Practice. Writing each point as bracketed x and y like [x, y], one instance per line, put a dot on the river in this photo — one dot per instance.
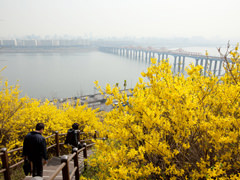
[68, 74]
[61, 75]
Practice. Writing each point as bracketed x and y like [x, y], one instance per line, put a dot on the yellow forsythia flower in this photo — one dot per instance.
[153, 60]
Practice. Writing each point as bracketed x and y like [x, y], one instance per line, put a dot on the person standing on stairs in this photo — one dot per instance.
[73, 137]
[34, 149]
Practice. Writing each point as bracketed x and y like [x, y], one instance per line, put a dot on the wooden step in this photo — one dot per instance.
[54, 163]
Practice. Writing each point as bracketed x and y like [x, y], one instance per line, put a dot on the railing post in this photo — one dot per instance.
[95, 135]
[76, 163]
[85, 150]
[85, 155]
[79, 136]
[65, 170]
[5, 164]
[57, 143]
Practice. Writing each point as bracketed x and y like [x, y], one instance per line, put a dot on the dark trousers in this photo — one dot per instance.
[37, 167]
[79, 146]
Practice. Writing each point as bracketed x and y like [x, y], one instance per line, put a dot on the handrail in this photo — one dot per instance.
[53, 145]
[71, 157]
[50, 136]
[73, 172]
[62, 134]
[85, 140]
[80, 150]
[13, 150]
[57, 171]
[3, 170]
[6, 166]
[14, 165]
[5, 160]
[65, 168]
[89, 145]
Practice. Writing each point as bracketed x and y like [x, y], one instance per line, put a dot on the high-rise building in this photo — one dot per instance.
[19, 43]
[55, 43]
[30, 43]
[44, 43]
[8, 43]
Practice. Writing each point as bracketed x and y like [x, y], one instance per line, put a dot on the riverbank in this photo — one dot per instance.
[48, 50]
[93, 101]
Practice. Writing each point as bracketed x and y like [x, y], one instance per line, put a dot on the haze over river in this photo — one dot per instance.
[69, 74]
[60, 75]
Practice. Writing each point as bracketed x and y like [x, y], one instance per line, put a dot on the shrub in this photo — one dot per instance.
[18, 116]
[173, 127]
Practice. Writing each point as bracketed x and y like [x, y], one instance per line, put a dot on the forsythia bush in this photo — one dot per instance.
[173, 127]
[18, 116]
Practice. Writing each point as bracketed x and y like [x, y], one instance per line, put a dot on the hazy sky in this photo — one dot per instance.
[120, 18]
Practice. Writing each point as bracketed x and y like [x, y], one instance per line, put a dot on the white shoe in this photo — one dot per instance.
[37, 178]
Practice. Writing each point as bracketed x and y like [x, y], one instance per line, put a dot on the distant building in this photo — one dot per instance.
[8, 43]
[66, 43]
[55, 43]
[73, 43]
[85, 42]
[29, 43]
[44, 43]
[19, 43]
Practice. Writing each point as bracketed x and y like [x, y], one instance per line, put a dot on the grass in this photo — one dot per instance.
[91, 172]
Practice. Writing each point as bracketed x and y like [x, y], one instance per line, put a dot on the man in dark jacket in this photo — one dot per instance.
[73, 137]
[34, 149]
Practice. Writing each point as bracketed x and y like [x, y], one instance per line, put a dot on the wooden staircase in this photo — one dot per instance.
[54, 163]
[64, 167]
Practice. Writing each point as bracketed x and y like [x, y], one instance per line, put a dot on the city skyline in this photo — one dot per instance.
[54, 41]
[210, 19]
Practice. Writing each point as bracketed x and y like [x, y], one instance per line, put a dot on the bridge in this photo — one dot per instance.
[176, 57]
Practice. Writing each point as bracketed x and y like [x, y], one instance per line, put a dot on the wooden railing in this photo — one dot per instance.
[64, 167]
[6, 167]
